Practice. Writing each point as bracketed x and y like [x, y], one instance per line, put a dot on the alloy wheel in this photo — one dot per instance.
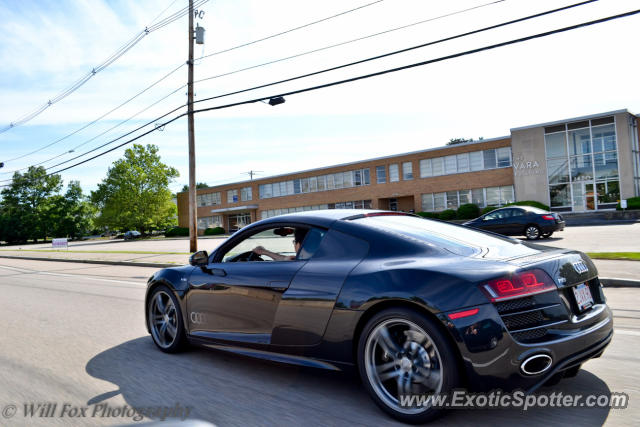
[532, 232]
[402, 359]
[163, 319]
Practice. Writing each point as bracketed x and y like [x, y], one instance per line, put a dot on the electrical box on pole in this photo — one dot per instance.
[199, 35]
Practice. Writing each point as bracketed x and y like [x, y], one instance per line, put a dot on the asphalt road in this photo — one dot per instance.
[75, 334]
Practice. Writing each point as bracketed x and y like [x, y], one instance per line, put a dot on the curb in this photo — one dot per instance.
[614, 282]
[608, 282]
[91, 261]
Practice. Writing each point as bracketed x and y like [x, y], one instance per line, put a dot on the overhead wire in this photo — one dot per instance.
[176, 69]
[361, 77]
[110, 60]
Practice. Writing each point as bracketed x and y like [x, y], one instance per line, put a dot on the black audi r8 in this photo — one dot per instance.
[417, 306]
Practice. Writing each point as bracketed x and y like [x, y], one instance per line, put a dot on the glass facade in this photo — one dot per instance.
[582, 165]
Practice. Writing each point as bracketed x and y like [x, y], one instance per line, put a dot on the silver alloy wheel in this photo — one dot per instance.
[163, 319]
[401, 359]
[532, 232]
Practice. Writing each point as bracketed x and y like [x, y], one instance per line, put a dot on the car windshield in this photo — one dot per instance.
[453, 238]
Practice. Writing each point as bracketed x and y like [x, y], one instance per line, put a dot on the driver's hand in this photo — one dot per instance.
[260, 250]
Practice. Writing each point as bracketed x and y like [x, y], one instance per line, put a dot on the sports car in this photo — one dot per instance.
[416, 306]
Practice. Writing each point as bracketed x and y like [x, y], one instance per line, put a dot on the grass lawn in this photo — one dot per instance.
[633, 256]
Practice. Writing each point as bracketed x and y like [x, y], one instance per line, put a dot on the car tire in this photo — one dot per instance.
[164, 319]
[400, 347]
[532, 232]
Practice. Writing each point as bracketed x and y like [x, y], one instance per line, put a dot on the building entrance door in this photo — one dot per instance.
[584, 196]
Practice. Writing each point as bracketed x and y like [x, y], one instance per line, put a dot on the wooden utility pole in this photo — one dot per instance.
[193, 213]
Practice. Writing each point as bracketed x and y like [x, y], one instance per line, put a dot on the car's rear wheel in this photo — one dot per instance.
[402, 353]
[165, 320]
[532, 232]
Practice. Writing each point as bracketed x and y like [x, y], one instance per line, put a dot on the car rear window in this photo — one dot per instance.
[456, 239]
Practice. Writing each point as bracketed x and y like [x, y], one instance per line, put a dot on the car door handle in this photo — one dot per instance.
[218, 272]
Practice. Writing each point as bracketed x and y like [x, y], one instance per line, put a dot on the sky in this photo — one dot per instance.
[46, 46]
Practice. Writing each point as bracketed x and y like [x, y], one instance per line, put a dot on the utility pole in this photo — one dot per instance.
[193, 213]
[251, 173]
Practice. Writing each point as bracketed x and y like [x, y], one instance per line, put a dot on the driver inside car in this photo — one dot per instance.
[299, 236]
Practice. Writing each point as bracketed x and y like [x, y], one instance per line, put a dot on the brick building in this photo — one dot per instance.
[580, 164]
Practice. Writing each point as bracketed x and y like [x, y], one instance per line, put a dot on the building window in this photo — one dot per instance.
[464, 196]
[313, 184]
[489, 157]
[475, 161]
[452, 200]
[493, 196]
[407, 171]
[393, 173]
[366, 177]
[245, 194]
[503, 157]
[450, 165]
[381, 175]
[357, 178]
[463, 162]
[427, 203]
[209, 222]
[477, 197]
[208, 199]
[232, 196]
[439, 203]
[437, 165]
[425, 168]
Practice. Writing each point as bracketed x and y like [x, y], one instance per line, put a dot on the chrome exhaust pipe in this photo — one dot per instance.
[536, 364]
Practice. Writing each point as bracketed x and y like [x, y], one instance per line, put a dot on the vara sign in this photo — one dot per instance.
[524, 167]
[60, 243]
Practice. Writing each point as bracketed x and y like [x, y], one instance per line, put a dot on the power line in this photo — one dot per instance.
[349, 41]
[173, 71]
[89, 124]
[514, 21]
[291, 30]
[361, 77]
[111, 59]
[359, 62]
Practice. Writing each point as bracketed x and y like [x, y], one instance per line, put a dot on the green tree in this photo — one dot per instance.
[198, 186]
[135, 194]
[26, 204]
[71, 214]
[454, 141]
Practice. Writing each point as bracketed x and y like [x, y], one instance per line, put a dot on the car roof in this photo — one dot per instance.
[321, 218]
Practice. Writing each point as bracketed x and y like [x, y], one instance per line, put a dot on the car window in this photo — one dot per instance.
[455, 239]
[311, 243]
[499, 214]
[517, 212]
[278, 240]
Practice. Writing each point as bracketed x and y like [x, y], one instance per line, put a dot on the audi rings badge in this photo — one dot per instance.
[197, 318]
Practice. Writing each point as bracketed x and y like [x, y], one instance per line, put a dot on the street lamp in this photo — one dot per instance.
[277, 100]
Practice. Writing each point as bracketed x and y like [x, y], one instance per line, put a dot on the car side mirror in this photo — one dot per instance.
[199, 259]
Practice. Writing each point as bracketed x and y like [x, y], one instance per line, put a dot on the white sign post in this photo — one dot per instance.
[60, 243]
[623, 203]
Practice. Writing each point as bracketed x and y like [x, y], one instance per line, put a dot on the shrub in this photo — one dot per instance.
[433, 215]
[632, 203]
[530, 203]
[177, 231]
[468, 211]
[213, 231]
[489, 209]
[447, 215]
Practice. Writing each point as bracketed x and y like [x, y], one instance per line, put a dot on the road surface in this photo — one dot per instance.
[74, 334]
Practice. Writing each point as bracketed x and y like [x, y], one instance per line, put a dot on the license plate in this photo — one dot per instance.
[583, 296]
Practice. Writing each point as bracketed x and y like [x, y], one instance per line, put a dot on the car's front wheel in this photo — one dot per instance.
[402, 354]
[165, 320]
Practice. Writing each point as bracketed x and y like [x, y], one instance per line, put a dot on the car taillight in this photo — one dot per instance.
[548, 217]
[518, 285]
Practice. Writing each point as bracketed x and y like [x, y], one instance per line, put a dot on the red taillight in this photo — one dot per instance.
[518, 285]
[548, 217]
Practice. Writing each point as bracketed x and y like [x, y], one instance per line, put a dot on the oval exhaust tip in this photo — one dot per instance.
[536, 364]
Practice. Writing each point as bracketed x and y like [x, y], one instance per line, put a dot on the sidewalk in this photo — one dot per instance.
[609, 269]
